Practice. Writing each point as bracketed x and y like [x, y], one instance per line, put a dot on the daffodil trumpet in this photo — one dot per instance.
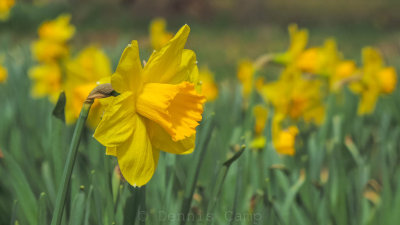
[101, 91]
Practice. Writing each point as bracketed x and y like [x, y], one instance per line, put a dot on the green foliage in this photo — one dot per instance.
[337, 166]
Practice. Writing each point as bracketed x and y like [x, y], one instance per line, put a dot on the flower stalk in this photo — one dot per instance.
[101, 91]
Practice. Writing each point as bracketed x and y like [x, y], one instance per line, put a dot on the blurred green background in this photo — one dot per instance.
[345, 172]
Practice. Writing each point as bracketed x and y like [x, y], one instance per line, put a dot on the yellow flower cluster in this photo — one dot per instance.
[58, 71]
[308, 76]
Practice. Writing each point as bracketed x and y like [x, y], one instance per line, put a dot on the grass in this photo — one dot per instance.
[345, 172]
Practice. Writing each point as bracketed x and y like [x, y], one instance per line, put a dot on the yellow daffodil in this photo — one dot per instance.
[208, 86]
[319, 60]
[5, 7]
[283, 139]
[57, 30]
[158, 108]
[298, 42]
[46, 51]
[261, 115]
[344, 70]
[83, 74]
[3, 74]
[245, 75]
[46, 81]
[53, 36]
[376, 79]
[295, 96]
[158, 33]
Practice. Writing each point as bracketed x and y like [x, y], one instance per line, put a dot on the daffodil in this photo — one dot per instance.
[298, 42]
[344, 70]
[283, 139]
[319, 60]
[208, 86]
[245, 75]
[261, 115]
[3, 74]
[295, 97]
[46, 51]
[158, 33]
[376, 79]
[53, 36]
[83, 73]
[58, 30]
[158, 108]
[46, 81]
[5, 7]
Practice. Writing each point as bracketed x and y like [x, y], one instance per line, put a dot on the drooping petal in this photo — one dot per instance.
[118, 122]
[163, 65]
[127, 76]
[163, 141]
[137, 158]
[176, 108]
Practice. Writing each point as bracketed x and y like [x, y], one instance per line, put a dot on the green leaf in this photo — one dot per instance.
[59, 109]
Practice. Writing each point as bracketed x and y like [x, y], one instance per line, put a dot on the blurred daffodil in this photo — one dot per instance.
[46, 81]
[57, 30]
[47, 51]
[245, 75]
[260, 115]
[159, 36]
[3, 74]
[319, 60]
[343, 71]
[53, 36]
[298, 42]
[158, 108]
[295, 97]
[283, 139]
[376, 79]
[84, 72]
[5, 7]
[208, 86]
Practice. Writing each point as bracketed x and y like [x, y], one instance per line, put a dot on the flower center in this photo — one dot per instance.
[176, 108]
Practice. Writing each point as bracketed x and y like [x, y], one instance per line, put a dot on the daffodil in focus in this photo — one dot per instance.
[298, 42]
[261, 115]
[158, 108]
[46, 81]
[208, 86]
[376, 79]
[89, 68]
[159, 36]
[5, 8]
[245, 75]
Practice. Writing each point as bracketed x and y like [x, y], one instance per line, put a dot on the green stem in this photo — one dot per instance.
[69, 165]
[199, 156]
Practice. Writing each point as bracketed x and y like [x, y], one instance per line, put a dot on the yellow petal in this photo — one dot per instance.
[284, 141]
[367, 102]
[118, 121]
[111, 151]
[127, 76]
[187, 70]
[158, 34]
[3, 74]
[163, 141]
[136, 156]
[245, 75]
[387, 79]
[163, 65]
[46, 81]
[176, 108]
[208, 86]
[58, 29]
